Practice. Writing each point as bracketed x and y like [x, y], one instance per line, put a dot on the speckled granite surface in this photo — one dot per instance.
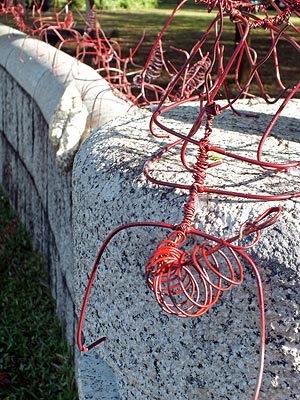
[214, 357]
[99, 379]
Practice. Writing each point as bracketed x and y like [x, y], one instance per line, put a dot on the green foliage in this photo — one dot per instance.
[59, 4]
[110, 4]
[35, 362]
[127, 4]
[80, 4]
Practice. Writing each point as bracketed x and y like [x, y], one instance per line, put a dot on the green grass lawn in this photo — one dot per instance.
[35, 361]
[188, 26]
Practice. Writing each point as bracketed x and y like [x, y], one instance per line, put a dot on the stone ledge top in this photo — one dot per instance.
[72, 97]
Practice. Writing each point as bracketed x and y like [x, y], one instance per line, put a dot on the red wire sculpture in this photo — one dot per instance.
[188, 283]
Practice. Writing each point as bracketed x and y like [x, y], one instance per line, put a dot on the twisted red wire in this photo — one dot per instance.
[177, 277]
[188, 282]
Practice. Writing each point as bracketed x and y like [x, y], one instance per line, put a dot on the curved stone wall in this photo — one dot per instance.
[71, 96]
[42, 93]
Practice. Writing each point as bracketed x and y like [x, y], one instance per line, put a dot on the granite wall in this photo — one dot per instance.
[49, 103]
[70, 208]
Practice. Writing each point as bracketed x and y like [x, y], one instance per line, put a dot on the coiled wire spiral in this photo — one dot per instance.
[187, 285]
[155, 66]
[153, 69]
[91, 19]
[195, 77]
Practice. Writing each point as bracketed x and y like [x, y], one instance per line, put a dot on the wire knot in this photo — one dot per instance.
[212, 109]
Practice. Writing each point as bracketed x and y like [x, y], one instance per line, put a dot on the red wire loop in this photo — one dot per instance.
[188, 284]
